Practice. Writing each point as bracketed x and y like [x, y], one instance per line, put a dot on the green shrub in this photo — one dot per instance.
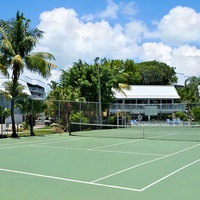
[181, 116]
[25, 126]
[196, 113]
[113, 119]
[78, 117]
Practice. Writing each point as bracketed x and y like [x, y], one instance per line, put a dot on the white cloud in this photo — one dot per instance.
[128, 9]
[111, 10]
[135, 30]
[69, 38]
[180, 26]
[88, 18]
[156, 51]
[187, 59]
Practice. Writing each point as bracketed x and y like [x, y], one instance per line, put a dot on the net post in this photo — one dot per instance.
[143, 132]
[69, 128]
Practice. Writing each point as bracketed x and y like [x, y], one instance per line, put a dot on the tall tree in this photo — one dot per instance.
[86, 77]
[132, 77]
[17, 41]
[156, 73]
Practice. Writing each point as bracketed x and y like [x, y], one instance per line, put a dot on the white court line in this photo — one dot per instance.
[12, 147]
[57, 141]
[67, 179]
[111, 186]
[27, 142]
[52, 147]
[148, 186]
[144, 163]
[107, 151]
[99, 184]
[111, 145]
[127, 152]
[163, 136]
[23, 144]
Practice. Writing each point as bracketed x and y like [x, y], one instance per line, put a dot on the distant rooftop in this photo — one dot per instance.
[149, 92]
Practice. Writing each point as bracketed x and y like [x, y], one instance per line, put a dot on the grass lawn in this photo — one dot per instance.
[39, 131]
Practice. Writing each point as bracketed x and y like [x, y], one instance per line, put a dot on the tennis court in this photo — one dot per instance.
[87, 168]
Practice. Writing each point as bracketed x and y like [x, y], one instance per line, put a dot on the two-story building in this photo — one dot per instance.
[145, 101]
[34, 87]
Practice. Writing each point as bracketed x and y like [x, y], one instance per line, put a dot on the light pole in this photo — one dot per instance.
[186, 112]
[99, 91]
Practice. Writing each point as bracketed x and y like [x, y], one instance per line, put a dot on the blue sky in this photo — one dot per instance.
[167, 31]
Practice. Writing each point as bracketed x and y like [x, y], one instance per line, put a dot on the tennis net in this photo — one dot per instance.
[148, 131]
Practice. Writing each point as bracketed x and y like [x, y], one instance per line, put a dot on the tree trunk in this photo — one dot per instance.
[13, 94]
[67, 122]
[31, 123]
[31, 131]
[14, 133]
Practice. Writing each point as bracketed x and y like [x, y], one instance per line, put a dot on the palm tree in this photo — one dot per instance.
[192, 85]
[31, 107]
[17, 41]
[8, 86]
[53, 85]
[121, 87]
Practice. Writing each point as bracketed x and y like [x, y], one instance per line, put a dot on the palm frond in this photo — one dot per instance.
[8, 86]
[7, 48]
[4, 71]
[121, 87]
[2, 32]
[39, 65]
[26, 45]
[36, 33]
[44, 55]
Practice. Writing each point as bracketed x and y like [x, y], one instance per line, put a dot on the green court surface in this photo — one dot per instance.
[62, 167]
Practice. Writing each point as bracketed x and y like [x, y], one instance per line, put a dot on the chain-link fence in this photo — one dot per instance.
[61, 112]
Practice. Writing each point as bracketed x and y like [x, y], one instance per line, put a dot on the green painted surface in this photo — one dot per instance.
[88, 168]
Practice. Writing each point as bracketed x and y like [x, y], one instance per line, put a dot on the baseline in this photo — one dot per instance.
[99, 184]
[144, 163]
[66, 179]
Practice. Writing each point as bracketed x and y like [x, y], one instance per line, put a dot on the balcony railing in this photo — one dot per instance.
[140, 108]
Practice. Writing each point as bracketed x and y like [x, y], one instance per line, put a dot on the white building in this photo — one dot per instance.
[33, 87]
[140, 98]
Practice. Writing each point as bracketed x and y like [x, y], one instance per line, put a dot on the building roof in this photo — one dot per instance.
[149, 92]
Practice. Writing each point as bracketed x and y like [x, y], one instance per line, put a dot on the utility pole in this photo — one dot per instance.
[99, 91]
